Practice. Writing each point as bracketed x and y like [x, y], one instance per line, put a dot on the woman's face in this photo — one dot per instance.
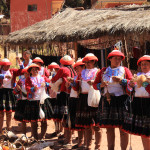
[145, 66]
[34, 71]
[89, 64]
[5, 68]
[79, 69]
[56, 69]
[26, 56]
[115, 61]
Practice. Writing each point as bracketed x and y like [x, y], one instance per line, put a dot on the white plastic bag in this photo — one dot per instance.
[93, 97]
[41, 113]
[55, 86]
[43, 95]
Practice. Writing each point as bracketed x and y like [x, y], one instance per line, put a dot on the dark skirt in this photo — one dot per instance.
[137, 119]
[32, 110]
[85, 115]
[61, 107]
[20, 109]
[72, 107]
[111, 115]
[7, 100]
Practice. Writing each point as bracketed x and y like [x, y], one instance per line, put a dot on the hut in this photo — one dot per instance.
[93, 29]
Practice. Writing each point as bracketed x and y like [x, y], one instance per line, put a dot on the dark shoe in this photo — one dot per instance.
[78, 147]
[53, 134]
[42, 140]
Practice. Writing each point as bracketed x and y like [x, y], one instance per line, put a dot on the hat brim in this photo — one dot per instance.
[66, 62]
[120, 54]
[53, 66]
[88, 58]
[5, 63]
[142, 59]
[37, 61]
[33, 66]
[78, 64]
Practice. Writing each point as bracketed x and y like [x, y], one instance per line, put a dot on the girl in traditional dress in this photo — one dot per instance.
[7, 98]
[65, 71]
[21, 95]
[35, 87]
[86, 115]
[137, 119]
[43, 70]
[54, 67]
[73, 102]
[112, 82]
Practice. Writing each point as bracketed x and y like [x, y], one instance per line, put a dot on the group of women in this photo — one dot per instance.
[120, 101]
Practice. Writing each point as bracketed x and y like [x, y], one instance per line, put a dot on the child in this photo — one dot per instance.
[21, 93]
[35, 86]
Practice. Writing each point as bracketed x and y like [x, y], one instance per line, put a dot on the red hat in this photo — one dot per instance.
[5, 62]
[37, 59]
[53, 65]
[78, 63]
[116, 53]
[145, 57]
[89, 56]
[32, 66]
[66, 60]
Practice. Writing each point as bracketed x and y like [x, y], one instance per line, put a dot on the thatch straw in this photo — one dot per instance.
[74, 25]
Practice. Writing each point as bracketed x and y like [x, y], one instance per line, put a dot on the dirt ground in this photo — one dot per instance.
[136, 140]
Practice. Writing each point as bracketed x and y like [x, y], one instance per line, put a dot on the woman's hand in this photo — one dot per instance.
[90, 82]
[132, 83]
[116, 79]
[35, 88]
[104, 84]
[18, 87]
[43, 84]
[69, 79]
[8, 77]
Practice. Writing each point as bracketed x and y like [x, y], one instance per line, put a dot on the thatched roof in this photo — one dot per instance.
[74, 25]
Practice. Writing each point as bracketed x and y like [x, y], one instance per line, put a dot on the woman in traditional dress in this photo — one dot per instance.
[21, 95]
[54, 67]
[37, 109]
[112, 82]
[85, 114]
[137, 119]
[7, 98]
[65, 71]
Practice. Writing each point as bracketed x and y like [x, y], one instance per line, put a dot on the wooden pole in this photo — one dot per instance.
[76, 50]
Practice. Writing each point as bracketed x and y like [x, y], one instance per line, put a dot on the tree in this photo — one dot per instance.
[77, 3]
[5, 7]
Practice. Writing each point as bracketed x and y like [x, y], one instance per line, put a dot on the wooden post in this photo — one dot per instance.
[17, 52]
[125, 50]
[76, 50]
[5, 51]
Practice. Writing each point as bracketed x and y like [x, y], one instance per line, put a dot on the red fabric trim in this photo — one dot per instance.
[135, 134]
